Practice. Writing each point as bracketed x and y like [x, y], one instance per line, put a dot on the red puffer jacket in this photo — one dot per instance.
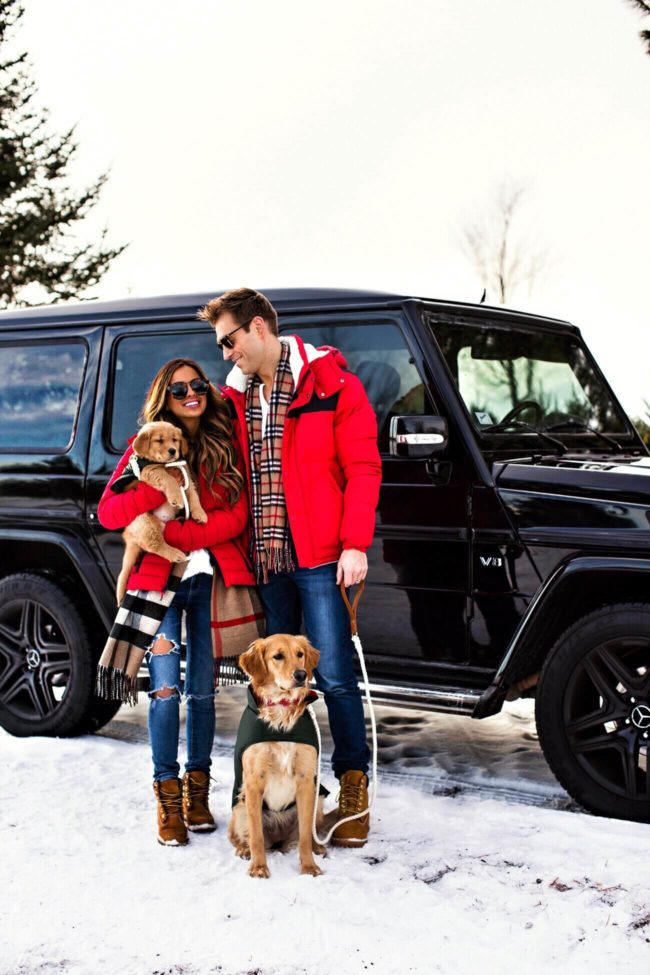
[225, 533]
[331, 468]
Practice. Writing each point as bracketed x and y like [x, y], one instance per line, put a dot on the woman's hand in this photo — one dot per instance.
[222, 525]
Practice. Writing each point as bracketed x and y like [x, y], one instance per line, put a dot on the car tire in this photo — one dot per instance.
[593, 711]
[47, 662]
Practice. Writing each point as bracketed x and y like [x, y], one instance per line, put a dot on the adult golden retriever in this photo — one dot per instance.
[275, 804]
[157, 444]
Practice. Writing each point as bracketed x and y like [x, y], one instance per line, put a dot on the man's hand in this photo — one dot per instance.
[352, 567]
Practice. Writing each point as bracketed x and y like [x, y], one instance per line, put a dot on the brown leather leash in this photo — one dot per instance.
[352, 606]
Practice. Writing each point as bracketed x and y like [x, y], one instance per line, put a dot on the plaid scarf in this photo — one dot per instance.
[236, 620]
[138, 619]
[272, 548]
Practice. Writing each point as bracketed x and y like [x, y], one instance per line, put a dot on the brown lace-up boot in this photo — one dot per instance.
[353, 798]
[196, 811]
[171, 828]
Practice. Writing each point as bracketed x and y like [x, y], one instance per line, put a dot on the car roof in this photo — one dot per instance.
[285, 300]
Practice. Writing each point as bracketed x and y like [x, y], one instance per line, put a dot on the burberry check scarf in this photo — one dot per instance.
[272, 548]
[236, 619]
[138, 619]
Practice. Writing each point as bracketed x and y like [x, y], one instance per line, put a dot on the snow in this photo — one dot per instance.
[459, 883]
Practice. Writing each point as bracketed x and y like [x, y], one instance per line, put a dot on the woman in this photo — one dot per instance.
[181, 394]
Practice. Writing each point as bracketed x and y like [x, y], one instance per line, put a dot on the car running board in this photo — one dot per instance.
[455, 700]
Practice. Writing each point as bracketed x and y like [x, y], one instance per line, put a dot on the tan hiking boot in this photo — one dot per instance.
[196, 811]
[353, 798]
[171, 828]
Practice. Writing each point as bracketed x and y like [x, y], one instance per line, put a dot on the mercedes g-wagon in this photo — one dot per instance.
[512, 551]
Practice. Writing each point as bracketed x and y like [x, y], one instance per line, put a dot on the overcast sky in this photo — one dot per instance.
[347, 143]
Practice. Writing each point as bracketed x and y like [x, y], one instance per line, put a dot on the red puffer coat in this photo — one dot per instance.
[331, 468]
[225, 533]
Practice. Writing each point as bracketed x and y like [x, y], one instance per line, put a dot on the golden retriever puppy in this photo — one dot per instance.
[156, 445]
[276, 755]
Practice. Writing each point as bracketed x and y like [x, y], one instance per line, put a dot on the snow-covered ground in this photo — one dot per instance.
[438, 753]
[458, 883]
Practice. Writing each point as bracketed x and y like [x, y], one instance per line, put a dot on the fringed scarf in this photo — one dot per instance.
[272, 548]
[237, 619]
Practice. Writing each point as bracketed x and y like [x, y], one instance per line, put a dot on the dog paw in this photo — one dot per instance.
[243, 852]
[200, 517]
[319, 849]
[258, 870]
[311, 869]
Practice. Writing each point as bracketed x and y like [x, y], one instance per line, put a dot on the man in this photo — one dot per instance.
[314, 474]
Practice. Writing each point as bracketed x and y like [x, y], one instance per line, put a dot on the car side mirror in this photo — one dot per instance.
[418, 436]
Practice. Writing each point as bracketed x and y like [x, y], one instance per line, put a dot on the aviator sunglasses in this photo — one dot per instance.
[226, 342]
[179, 390]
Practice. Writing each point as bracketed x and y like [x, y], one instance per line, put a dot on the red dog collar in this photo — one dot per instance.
[284, 702]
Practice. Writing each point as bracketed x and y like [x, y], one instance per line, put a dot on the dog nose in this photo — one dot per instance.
[300, 676]
[171, 451]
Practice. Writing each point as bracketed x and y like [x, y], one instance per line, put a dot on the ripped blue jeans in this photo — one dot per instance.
[193, 597]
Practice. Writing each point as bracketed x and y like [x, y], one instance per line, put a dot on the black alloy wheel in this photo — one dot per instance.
[46, 662]
[593, 711]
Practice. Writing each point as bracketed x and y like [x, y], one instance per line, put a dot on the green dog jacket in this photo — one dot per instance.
[252, 731]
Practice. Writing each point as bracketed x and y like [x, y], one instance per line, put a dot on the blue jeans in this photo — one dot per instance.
[193, 596]
[314, 595]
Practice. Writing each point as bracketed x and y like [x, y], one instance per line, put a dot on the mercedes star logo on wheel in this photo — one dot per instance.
[33, 659]
[641, 717]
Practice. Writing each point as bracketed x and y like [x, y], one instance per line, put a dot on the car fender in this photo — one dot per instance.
[75, 554]
[573, 589]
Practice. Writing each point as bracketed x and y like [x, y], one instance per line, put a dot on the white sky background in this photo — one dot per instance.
[345, 144]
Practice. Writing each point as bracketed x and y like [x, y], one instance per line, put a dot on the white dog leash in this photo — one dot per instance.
[352, 610]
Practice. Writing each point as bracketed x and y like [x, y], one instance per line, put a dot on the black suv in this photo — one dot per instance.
[512, 552]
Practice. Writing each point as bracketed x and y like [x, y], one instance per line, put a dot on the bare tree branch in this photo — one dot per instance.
[504, 260]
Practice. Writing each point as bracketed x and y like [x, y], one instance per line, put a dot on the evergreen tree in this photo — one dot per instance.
[644, 7]
[38, 210]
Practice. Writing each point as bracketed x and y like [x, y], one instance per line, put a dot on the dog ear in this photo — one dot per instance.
[141, 442]
[184, 446]
[252, 661]
[312, 655]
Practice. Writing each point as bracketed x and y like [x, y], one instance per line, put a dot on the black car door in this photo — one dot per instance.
[413, 616]
[133, 353]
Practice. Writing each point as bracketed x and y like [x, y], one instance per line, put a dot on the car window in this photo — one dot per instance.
[379, 356]
[40, 385]
[136, 361]
[544, 376]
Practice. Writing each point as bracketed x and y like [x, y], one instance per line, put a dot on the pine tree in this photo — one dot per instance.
[644, 7]
[38, 210]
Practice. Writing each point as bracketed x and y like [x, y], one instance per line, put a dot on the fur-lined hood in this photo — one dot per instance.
[301, 356]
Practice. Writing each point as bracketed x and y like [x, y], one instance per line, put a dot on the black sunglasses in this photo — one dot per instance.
[179, 390]
[226, 342]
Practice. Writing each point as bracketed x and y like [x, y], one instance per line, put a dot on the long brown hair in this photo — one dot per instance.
[212, 451]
